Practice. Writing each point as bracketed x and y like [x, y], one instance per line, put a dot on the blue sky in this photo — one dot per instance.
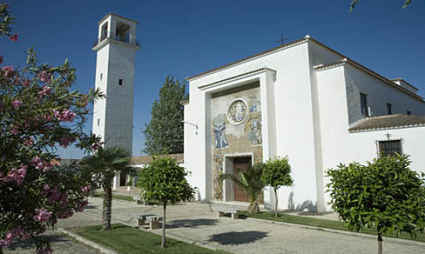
[183, 38]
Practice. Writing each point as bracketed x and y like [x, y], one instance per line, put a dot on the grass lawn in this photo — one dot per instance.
[114, 196]
[331, 224]
[128, 240]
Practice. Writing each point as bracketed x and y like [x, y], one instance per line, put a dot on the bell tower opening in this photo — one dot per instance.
[123, 32]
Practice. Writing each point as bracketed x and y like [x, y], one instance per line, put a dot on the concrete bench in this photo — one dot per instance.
[149, 221]
[223, 210]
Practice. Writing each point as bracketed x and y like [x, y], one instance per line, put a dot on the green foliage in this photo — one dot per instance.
[384, 194]
[277, 173]
[39, 111]
[164, 133]
[164, 180]
[325, 223]
[103, 165]
[106, 162]
[250, 182]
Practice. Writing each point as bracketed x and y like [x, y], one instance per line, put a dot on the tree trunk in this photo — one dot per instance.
[164, 222]
[107, 206]
[1, 250]
[275, 202]
[253, 207]
[380, 243]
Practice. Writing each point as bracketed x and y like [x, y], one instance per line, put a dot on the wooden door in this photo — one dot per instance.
[240, 164]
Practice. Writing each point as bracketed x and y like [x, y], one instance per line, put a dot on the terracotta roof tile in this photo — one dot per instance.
[388, 122]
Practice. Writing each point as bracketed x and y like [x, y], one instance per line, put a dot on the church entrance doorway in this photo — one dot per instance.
[240, 164]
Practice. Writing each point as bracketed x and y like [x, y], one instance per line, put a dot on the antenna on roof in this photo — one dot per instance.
[282, 39]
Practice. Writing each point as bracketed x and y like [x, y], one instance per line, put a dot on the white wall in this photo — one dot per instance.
[378, 95]
[341, 146]
[293, 120]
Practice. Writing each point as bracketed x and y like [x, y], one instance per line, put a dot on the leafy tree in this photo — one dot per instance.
[104, 164]
[385, 194]
[355, 2]
[38, 112]
[277, 173]
[165, 181]
[250, 182]
[164, 133]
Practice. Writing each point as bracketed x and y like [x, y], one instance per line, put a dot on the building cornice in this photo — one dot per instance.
[238, 77]
[106, 41]
[388, 128]
[121, 17]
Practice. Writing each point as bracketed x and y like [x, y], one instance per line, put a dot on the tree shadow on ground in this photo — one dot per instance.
[190, 223]
[30, 243]
[236, 238]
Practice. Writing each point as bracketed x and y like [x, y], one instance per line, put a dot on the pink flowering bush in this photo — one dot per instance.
[39, 111]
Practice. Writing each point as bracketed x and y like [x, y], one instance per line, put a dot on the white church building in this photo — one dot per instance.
[303, 100]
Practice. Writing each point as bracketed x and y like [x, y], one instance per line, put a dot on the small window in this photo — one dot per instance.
[120, 82]
[98, 122]
[101, 76]
[363, 104]
[389, 109]
[408, 112]
[389, 147]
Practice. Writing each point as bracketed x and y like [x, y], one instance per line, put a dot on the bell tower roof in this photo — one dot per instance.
[118, 16]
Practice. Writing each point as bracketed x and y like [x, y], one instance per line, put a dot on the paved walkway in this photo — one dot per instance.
[60, 244]
[198, 223]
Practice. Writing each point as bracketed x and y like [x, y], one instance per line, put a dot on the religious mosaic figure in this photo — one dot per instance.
[219, 131]
[237, 111]
[254, 135]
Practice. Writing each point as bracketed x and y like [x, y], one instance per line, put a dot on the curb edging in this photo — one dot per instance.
[88, 242]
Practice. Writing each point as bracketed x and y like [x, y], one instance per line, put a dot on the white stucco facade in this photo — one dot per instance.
[309, 96]
[116, 47]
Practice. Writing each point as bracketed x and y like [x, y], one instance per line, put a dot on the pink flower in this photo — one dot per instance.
[40, 164]
[16, 104]
[44, 76]
[26, 83]
[66, 115]
[14, 131]
[65, 141]
[85, 189]
[45, 91]
[28, 142]
[14, 37]
[8, 70]
[54, 195]
[42, 215]
[46, 187]
[17, 175]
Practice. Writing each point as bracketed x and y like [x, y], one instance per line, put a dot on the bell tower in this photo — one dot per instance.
[116, 48]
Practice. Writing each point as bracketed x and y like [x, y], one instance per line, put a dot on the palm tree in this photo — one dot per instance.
[250, 182]
[104, 164]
